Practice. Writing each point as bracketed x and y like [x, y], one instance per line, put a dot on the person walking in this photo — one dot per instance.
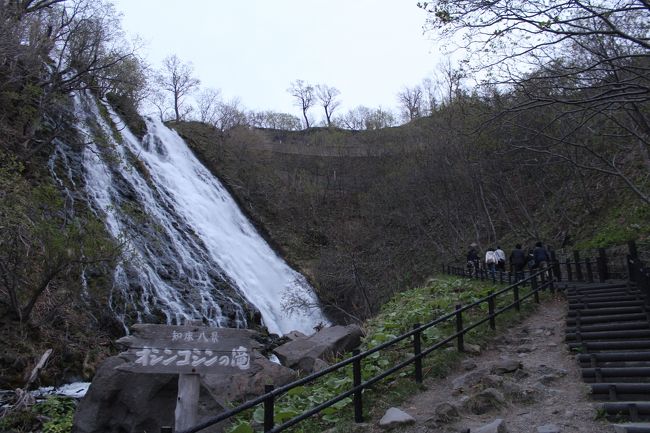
[518, 262]
[472, 260]
[501, 259]
[491, 262]
[540, 255]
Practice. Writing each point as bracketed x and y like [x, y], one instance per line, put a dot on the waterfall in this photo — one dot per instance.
[192, 254]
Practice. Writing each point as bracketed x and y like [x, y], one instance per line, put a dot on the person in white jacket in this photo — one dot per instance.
[501, 259]
[491, 261]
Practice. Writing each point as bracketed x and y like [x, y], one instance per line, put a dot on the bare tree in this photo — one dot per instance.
[410, 101]
[304, 97]
[580, 64]
[208, 102]
[361, 118]
[176, 78]
[327, 97]
[430, 98]
[274, 120]
[450, 81]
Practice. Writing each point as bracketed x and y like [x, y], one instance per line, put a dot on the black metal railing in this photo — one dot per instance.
[569, 267]
[498, 302]
[638, 271]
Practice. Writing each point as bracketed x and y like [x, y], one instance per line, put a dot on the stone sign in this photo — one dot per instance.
[186, 349]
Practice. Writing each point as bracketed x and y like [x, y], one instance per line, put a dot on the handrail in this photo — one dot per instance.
[268, 397]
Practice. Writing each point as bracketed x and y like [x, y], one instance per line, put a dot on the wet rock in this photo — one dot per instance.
[445, 412]
[525, 348]
[549, 428]
[302, 353]
[496, 426]
[492, 381]
[468, 365]
[295, 335]
[472, 349]
[395, 417]
[546, 370]
[463, 384]
[505, 366]
[320, 365]
[238, 387]
[519, 393]
[485, 401]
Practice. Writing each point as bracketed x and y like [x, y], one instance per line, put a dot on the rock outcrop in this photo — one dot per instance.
[302, 353]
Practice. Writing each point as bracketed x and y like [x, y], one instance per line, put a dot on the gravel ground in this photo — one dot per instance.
[546, 389]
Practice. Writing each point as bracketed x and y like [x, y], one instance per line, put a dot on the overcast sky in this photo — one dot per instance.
[254, 49]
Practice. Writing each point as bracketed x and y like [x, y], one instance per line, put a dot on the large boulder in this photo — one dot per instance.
[226, 389]
[120, 402]
[302, 353]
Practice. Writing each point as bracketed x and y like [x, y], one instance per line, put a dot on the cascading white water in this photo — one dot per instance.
[185, 233]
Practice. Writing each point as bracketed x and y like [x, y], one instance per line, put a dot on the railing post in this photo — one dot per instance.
[603, 273]
[482, 275]
[459, 328]
[356, 381]
[632, 262]
[569, 272]
[417, 349]
[510, 277]
[515, 293]
[535, 288]
[576, 258]
[556, 266]
[551, 282]
[634, 253]
[590, 272]
[269, 408]
[493, 323]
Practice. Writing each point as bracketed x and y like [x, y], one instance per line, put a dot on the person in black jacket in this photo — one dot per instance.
[540, 255]
[518, 262]
[472, 260]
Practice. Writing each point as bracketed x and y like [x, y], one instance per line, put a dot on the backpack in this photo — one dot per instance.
[490, 258]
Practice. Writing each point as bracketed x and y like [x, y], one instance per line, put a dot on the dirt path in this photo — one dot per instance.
[532, 381]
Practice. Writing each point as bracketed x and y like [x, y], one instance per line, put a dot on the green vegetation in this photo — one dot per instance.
[420, 305]
[52, 415]
[622, 224]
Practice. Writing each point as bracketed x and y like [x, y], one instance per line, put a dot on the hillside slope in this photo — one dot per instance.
[367, 214]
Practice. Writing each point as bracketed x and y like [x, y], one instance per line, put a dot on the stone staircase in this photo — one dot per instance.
[608, 325]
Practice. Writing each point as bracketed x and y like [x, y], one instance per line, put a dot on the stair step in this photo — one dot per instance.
[607, 318]
[571, 296]
[589, 291]
[632, 427]
[615, 356]
[620, 390]
[617, 372]
[619, 335]
[616, 326]
[615, 364]
[588, 346]
[633, 409]
[606, 304]
[606, 311]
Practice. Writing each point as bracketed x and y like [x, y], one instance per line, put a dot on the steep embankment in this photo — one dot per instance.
[367, 214]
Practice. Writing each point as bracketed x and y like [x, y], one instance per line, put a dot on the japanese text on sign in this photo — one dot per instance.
[150, 356]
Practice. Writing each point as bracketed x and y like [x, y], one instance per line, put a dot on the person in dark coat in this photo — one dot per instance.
[518, 262]
[473, 260]
[540, 255]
